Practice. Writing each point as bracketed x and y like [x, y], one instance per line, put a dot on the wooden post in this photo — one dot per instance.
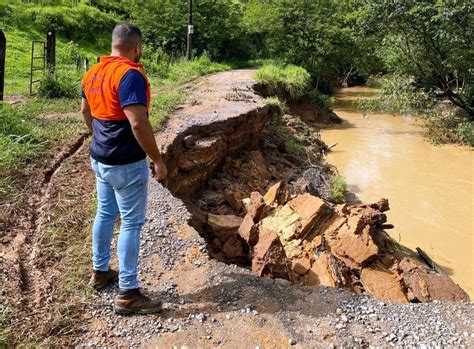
[189, 51]
[86, 64]
[51, 50]
[3, 50]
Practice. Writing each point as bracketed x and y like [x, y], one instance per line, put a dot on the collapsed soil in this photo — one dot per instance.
[256, 169]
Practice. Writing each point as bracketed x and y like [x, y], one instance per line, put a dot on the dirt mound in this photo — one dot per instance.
[303, 239]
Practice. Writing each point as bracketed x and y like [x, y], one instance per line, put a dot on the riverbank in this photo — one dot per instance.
[428, 185]
[207, 302]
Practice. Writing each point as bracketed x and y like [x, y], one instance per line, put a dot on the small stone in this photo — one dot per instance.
[374, 317]
[338, 311]
[292, 341]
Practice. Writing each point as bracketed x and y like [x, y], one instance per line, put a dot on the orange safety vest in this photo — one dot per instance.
[101, 87]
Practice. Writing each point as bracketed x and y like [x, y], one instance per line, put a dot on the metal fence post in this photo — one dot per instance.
[3, 50]
[51, 50]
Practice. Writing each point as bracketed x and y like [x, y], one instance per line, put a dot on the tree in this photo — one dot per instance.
[430, 40]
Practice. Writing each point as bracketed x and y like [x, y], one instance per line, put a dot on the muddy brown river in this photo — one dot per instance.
[430, 188]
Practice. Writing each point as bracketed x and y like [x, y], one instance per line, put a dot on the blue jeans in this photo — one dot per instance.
[120, 189]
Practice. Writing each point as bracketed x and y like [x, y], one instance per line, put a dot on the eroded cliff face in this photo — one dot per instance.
[257, 186]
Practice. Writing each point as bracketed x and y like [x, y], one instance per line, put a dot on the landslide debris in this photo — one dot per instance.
[257, 187]
[304, 239]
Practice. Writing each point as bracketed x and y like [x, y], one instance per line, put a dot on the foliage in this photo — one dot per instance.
[218, 31]
[282, 80]
[284, 109]
[294, 146]
[321, 100]
[58, 85]
[338, 189]
[18, 138]
[429, 40]
[450, 129]
[320, 36]
[398, 94]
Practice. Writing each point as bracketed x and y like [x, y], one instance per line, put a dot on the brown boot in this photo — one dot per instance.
[100, 279]
[134, 302]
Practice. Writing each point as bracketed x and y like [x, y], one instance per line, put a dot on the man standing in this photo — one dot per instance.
[115, 105]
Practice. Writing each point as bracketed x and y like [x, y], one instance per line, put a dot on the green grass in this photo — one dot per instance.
[284, 79]
[6, 312]
[25, 135]
[18, 59]
[279, 103]
[338, 189]
[294, 146]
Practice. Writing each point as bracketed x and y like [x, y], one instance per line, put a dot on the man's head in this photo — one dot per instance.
[127, 41]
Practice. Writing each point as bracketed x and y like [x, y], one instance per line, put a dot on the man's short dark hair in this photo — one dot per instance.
[126, 36]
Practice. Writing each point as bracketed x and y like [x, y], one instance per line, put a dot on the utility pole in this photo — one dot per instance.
[189, 51]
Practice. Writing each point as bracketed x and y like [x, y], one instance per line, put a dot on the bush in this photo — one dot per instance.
[398, 94]
[284, 109]
[322, 101]
[75, 22]
[283, 80]
[57, 85]
[68, 53]
[338, 189]
[450, 129]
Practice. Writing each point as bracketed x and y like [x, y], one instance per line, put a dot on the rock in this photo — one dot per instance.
[234, 248]
[321, 272]
[292, 341]
[256, 206]
[310, 209]
[216, 244]
[302, 265]
[234, 199]
[382, 284]
[283, 222]
[426, 286]
[224, 226]
[277, 194]
[358, 249]
[373, 317]
[269, 257]
[248, 230]
[270, 196]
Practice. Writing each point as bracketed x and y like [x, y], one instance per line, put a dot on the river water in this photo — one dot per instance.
[430, 188]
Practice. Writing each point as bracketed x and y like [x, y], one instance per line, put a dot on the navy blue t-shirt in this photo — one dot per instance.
[113, 142]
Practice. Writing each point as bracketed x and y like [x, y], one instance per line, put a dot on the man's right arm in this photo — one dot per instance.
[143, 132]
